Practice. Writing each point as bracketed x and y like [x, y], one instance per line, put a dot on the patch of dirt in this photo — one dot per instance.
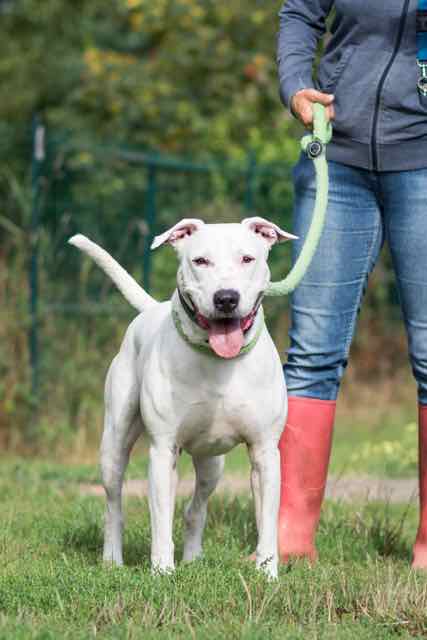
[345, 488]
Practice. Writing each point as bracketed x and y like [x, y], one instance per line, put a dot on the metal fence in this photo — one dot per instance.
[121, 197]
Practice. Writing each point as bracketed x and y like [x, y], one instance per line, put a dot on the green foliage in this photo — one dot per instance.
[53, 585]
[393, 457]
[378, 436]
[174, 74]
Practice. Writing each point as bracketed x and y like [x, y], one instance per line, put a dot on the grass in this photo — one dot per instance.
[383, 444]
[52, 584]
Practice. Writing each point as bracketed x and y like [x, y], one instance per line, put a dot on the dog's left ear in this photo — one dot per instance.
[267, 230]
[181, 230]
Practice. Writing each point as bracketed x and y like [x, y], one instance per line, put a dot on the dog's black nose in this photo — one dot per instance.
[226, 300]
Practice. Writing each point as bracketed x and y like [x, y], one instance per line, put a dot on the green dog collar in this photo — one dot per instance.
[205, 348]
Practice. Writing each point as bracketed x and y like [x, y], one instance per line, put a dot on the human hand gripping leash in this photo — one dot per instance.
[315, 147]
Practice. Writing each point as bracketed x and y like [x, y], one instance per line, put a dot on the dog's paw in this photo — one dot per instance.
[162, 569]
[192, 553]
[268, 566]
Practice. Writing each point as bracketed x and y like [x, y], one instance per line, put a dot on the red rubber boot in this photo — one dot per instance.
[305, 448]
[420, 547]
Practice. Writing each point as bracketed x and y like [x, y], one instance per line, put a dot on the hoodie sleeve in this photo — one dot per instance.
[302, 24]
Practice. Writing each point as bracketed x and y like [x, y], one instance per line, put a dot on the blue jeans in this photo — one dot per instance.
[365, 208]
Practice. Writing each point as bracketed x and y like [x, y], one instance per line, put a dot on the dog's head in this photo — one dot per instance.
[223, 274]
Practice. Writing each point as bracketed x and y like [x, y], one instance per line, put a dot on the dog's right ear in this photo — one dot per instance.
[177, 233]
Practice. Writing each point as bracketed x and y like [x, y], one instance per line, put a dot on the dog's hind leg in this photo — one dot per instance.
[208, 474]
[122, 428]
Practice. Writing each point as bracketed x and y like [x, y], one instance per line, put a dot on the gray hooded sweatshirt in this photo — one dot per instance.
[370, 64]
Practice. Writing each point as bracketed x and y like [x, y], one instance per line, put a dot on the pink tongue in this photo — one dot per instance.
[226, 337]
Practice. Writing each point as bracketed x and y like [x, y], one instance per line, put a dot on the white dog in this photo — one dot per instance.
[201, 373]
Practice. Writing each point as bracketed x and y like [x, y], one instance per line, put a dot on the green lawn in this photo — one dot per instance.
[52, 584]
[385, 444]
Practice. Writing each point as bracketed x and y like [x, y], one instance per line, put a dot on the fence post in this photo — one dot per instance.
[38, 156]
[250, 183]
[150, 219]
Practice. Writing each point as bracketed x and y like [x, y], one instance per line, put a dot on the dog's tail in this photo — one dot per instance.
[131, 290]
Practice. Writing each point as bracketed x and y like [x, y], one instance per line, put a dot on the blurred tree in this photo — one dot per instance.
[177, 75]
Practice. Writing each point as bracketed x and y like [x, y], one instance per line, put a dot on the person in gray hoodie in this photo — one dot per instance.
[367, 78]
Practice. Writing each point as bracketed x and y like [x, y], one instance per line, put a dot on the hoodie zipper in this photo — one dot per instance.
[381, 85]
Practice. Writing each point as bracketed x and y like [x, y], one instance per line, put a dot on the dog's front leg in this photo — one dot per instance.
[161, 499]
[266, 470]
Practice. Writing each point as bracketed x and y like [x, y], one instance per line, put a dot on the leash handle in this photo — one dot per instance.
[315, 146]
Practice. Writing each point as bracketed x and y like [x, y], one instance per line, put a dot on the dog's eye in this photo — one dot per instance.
[201, 262]
[247, 259]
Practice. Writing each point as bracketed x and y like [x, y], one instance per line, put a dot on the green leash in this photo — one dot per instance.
[315, 147]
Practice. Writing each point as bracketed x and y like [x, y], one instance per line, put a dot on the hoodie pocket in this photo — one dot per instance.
[332, 67]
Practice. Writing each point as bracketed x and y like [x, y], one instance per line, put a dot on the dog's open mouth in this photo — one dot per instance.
[226, 335]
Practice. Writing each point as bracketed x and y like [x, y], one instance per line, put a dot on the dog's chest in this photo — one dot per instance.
[210, 419]
[212, 426]
[208, 405]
